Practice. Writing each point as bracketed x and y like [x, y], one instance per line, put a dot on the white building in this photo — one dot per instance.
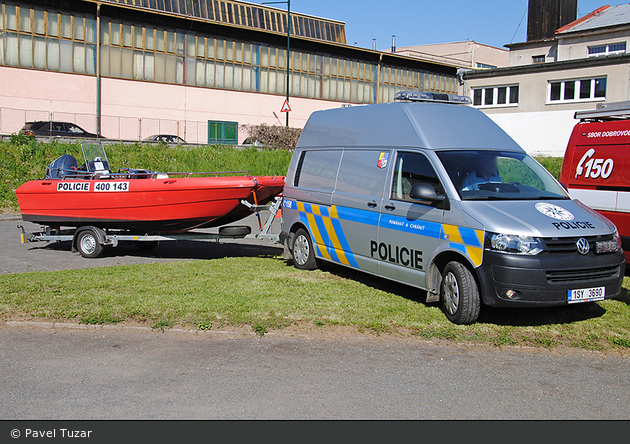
[584, 63]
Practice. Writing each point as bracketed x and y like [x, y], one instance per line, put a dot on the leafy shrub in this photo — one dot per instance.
[274, 136]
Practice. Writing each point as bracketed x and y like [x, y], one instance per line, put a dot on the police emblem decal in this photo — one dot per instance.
[382, 160]
[554, 211]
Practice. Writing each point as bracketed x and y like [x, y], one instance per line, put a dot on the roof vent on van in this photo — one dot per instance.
[413, 96]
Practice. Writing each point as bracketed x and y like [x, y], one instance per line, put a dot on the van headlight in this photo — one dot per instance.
[513, 244]
[609, 246]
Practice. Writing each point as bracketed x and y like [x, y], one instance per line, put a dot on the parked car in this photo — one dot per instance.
[168, 138]
[251, 141]
[57, 129]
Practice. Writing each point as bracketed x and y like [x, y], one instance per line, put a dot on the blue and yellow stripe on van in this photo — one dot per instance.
[466, 240]
[324, 224]
[325, 227]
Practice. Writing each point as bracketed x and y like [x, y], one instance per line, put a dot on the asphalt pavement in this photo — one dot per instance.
[64, 374]
[16, 257]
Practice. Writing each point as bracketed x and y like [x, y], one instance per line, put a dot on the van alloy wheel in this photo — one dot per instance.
[460, 294]
[302, 251]
[451, 294]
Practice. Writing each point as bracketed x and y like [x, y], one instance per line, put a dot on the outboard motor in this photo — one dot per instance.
[65, 165]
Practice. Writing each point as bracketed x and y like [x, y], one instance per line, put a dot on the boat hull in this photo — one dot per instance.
[167, 205]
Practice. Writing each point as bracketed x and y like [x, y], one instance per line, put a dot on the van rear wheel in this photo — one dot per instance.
[302, 251]
[459, 294]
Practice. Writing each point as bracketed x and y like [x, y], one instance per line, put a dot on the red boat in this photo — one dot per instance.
[139, 201]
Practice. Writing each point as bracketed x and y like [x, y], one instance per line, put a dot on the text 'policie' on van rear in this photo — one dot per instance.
[596, 164]
[430, 192]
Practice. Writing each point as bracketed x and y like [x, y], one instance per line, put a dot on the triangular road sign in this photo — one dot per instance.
[285, 107]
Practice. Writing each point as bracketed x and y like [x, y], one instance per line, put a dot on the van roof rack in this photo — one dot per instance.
[606, 111]
[416, 96]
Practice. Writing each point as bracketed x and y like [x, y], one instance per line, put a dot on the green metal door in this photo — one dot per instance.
[222, 133]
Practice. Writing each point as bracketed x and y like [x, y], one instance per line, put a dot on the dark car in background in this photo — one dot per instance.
[56, 129]
[168, 138]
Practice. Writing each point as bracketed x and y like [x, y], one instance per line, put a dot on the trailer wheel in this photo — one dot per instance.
[147, 246]
[88, 244]
[302, 251]
[459, 294]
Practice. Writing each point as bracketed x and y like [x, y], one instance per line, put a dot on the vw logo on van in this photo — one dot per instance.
[583, 246]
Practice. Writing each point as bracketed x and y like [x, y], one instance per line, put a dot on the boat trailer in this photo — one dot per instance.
[90, 240]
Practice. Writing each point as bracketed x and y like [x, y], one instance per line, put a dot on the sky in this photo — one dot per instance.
[490, 22]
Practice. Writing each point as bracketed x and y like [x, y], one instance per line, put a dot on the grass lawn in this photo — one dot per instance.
[267, 293]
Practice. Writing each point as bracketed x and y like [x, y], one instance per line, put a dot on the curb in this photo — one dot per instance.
[7, 217]
[129, 329]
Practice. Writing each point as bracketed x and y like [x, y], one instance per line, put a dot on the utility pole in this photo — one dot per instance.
[288, 58]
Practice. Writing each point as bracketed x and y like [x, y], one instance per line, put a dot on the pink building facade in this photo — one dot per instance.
[172, 67]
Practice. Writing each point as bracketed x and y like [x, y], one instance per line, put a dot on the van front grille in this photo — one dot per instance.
[554, 245]
[588, 274]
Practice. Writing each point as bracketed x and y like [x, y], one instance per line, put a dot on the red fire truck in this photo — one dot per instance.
[596, 166]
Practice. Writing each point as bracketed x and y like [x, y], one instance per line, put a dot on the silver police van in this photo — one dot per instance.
[430, 192]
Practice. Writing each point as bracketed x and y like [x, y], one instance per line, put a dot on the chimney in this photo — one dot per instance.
[373, 44]
[393, 43]
[544, 17]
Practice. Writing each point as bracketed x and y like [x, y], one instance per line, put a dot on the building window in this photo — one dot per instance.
[603, 50]
[577, 90]
[538, 59]
[496, 96]
[485, 66]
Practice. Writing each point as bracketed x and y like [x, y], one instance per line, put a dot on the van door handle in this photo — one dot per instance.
[372, 204]
[390, 207]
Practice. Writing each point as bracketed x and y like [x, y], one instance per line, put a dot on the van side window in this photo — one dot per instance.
[298, 169]
[318, 169]
[412, 168]
[360, 173]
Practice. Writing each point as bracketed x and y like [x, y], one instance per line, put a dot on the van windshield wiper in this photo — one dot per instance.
[514, 198]
[545, 198]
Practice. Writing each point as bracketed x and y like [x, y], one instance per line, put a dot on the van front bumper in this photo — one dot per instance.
[545, 279]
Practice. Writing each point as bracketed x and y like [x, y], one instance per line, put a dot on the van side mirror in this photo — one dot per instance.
[426, 192]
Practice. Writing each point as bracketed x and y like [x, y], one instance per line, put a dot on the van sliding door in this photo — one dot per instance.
[356, 206]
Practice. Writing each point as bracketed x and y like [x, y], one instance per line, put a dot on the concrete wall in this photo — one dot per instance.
[571, 48]
[34, 95]
[520, 56]
[463, 54]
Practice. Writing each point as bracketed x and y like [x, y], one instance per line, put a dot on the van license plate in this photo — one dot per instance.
[587, 295]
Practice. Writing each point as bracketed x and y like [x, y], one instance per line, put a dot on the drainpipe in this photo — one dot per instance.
[98, 69]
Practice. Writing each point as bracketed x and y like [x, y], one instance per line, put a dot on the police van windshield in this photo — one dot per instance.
[499, 175]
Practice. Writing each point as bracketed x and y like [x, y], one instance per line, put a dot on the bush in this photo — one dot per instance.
[274, 136]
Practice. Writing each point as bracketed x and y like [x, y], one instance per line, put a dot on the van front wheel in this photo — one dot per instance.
[302, 251]
[459, 294]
